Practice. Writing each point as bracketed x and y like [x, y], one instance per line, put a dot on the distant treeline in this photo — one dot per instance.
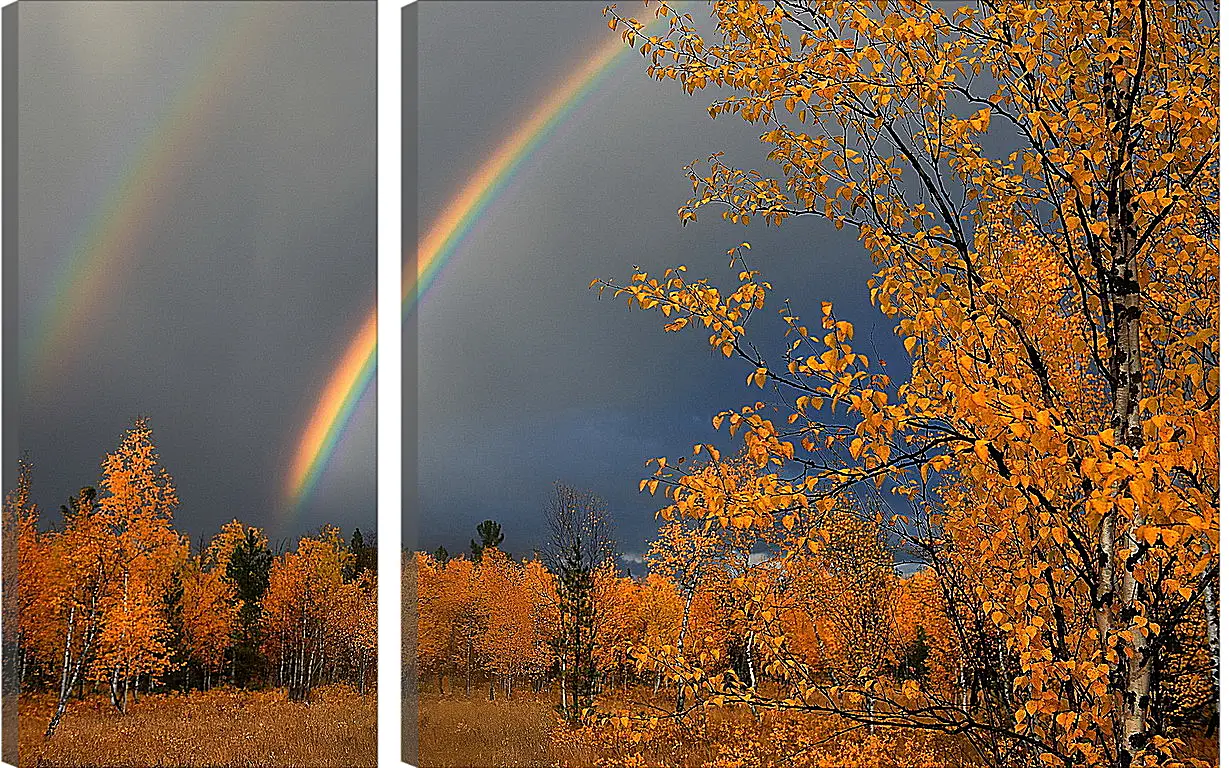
[114, 599]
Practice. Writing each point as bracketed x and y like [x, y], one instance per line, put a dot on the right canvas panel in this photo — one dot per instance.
[817, 383]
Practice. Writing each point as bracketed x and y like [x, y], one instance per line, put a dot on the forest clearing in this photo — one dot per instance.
[220, 728]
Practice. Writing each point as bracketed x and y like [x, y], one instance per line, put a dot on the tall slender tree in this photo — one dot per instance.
[247, 568]
[580, 542]
[135, 509]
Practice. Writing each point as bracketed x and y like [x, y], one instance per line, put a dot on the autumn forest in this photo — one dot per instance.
[1005, 554]
[119, 618]
[966, 519]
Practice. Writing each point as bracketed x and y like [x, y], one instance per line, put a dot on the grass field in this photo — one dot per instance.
[455, 732]
[223, 728]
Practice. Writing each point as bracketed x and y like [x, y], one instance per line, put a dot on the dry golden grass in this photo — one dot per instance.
[223, 728]
[455, 732]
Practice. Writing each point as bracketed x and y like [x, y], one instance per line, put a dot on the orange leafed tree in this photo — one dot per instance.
[632, 613]
[690, 555]
[319, 618]
[1037, 184]
[36, 632]
[113, 596]
[452, 616]
[135, 508]
[919, 614]
[352, 624]
[539, 584]
[210, 614]
[850, 593]
[65, 580]
[222, 546]
[304, 586]
[93, 592]
[434, 640]
[510, 645]
[496, 616]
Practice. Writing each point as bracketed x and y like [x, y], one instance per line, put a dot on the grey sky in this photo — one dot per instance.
[525, 377]
[245, 273]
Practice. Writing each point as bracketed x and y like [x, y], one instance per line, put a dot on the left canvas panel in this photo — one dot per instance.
[189, 405]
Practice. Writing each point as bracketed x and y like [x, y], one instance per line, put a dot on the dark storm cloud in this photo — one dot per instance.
[251, 268]
[525, 377]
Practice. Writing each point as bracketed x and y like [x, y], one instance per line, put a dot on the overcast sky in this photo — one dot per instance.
[247, 131]
[525, 377]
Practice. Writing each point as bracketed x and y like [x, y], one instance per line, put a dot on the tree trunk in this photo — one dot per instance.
[114, 682]
[680, 700]
[1127, 365]
[469, 664]
[1212, 621]
[65, 681]
[750, 661]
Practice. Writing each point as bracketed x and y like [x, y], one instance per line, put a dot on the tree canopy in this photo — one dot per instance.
[1037, 185]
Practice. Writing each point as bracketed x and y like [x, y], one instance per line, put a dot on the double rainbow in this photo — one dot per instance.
[113, 232]
[353, 372]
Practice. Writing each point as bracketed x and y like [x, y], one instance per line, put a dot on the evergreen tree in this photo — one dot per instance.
[579, 636]
[490, 535]
[364, 556]
[248, 569]
[580, 544]
[913, 665]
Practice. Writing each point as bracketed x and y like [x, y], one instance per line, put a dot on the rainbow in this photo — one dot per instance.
[353, 372]
[484, 187]
[111, 236]
[346, 385]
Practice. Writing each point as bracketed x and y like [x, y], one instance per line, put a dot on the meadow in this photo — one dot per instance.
[455, 731]
[459, 732]
[221, 728]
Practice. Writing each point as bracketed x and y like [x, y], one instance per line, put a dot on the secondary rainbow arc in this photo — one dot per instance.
[111, 236]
